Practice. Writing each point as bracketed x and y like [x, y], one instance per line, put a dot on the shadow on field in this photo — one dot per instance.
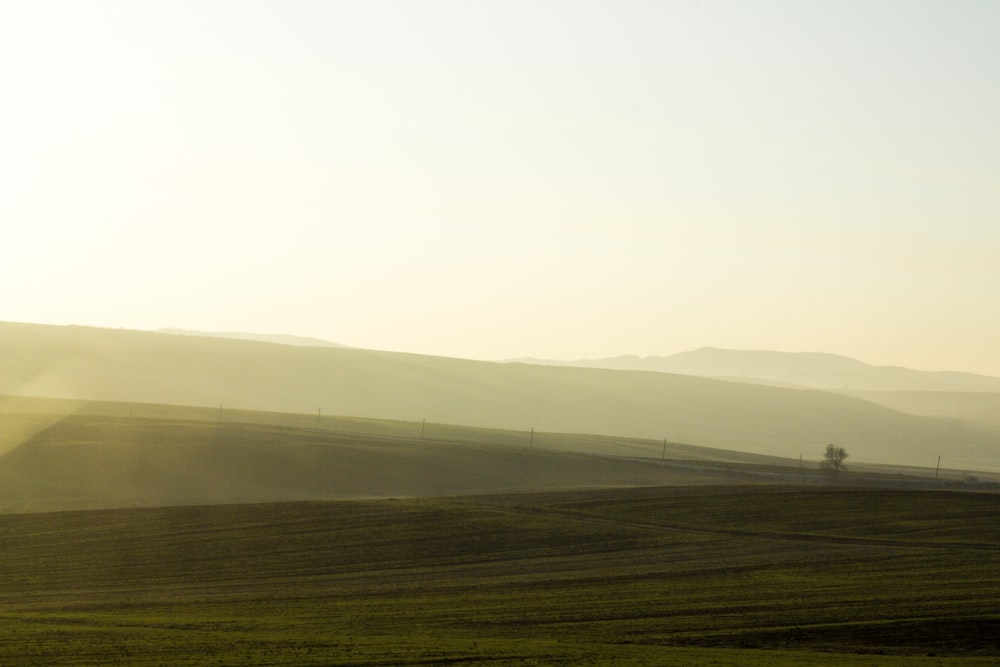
[949, 636]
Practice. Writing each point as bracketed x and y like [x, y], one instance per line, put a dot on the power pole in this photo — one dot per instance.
[423, 423]
[531, 442]
[938, 469]
[664, 454]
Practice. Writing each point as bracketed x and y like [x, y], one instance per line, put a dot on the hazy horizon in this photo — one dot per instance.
[768, 357]
[520, 179]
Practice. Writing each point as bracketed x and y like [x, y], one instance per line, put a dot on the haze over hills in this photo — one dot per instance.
[981, 406]
[105, 456]
[792, 369]
[948, 394]
[122, 365]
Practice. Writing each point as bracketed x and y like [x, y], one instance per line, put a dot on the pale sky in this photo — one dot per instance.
[497, 179]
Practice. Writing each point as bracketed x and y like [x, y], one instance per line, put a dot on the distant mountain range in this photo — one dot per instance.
[789, 369]
[122, 365]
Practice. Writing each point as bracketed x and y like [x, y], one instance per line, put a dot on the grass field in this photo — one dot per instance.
[60, 455]
[119, 417]
[96, 462]
[700, 576]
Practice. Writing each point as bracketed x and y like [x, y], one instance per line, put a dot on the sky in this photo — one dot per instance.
[501, 179]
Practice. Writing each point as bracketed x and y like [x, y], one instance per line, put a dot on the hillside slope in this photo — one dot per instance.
[946, 394]
[810, 370]
[87, 461]
[121, 365]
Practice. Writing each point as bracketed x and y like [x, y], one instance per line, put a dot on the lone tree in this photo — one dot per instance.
[833, 460]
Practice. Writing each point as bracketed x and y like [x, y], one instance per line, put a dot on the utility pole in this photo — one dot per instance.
[938, 469]
[800, 462]
[531, 442]
[423, 424]
[664, 454]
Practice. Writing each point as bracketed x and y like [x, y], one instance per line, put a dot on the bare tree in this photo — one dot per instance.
[833, 460]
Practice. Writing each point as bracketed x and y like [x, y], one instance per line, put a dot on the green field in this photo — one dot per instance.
[710, 575]
[450, 544]
[119, 455]
[95, 461]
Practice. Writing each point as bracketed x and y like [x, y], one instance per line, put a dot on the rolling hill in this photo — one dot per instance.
[121, 365]
[92, 459]
[947, 394]
[810, 370]
[971, 406]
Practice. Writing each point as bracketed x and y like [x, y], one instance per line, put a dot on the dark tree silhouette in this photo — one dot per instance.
[833, 460]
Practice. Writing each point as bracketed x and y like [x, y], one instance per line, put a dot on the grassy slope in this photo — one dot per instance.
[628, 577]
[952, 395]
[798, 369]
[963, 396]
[25, 417]
[101, 364]
[92, 459]
[64, 455]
